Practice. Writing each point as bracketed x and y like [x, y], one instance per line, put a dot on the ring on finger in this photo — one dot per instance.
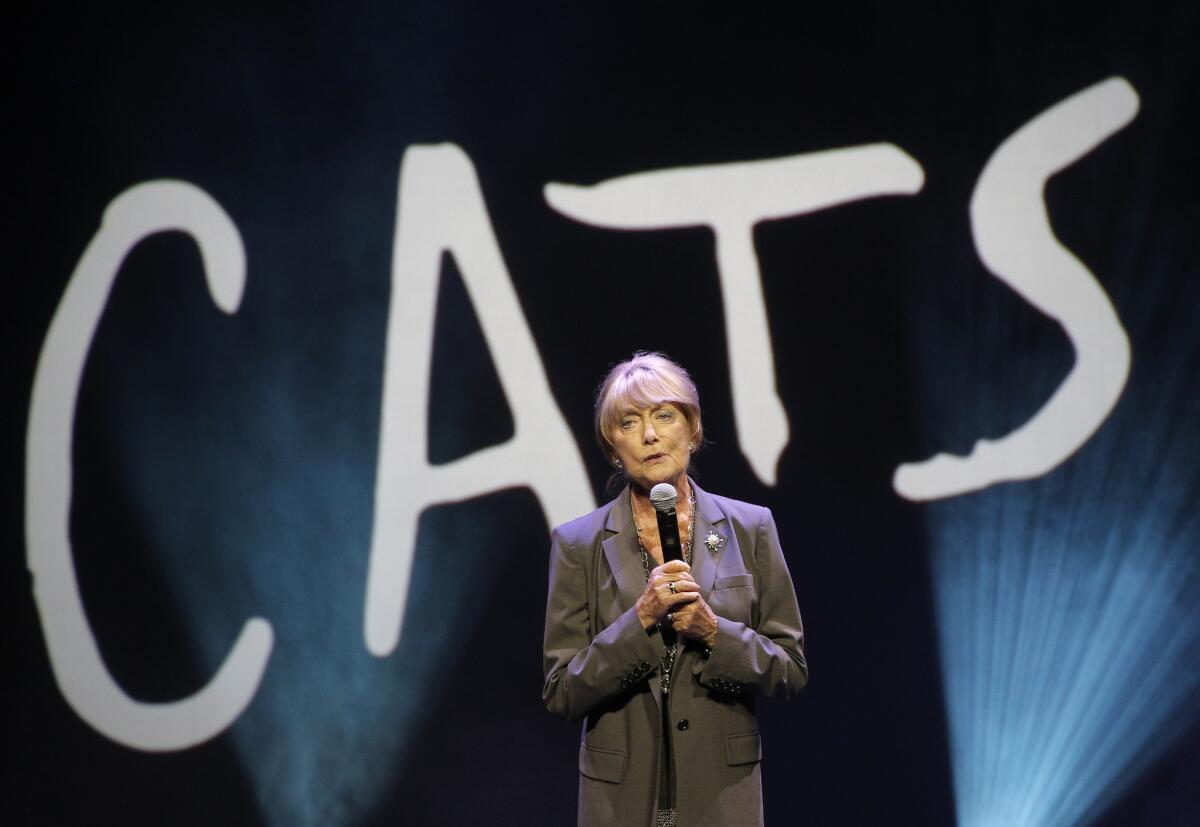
[671, 586]
[670, 617]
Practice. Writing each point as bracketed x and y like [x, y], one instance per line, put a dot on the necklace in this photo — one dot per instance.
[668, 658]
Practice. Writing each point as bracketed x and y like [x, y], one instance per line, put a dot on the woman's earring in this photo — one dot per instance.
[617, 464]
[691, 447]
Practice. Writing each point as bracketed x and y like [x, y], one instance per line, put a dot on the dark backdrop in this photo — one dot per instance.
[224, 465]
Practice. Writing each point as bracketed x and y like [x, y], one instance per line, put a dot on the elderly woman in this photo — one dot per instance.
[665, 660]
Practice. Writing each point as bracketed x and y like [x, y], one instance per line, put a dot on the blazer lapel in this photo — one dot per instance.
[621, 551]
[625, 562]
[709, 520]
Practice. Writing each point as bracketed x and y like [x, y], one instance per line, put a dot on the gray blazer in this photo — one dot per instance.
[602, 666]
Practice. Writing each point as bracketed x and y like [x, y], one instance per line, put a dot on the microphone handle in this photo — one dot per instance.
[668, 534]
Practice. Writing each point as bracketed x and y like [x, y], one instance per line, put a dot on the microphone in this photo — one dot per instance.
[663, 497]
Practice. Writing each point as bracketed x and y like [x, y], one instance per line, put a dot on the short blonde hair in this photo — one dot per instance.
[646, 380]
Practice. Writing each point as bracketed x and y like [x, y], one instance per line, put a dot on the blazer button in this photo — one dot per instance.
[682, 725]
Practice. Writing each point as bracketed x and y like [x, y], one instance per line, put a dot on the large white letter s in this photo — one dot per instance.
[1017, 244]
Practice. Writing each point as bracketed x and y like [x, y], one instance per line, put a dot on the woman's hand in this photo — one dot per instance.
[669, 589]
[697, 621]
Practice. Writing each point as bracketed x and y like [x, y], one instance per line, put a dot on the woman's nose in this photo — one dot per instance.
[648, 434]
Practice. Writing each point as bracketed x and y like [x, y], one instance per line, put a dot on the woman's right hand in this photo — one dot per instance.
[659, 598]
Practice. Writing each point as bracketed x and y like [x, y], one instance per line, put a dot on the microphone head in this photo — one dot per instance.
[663, 497]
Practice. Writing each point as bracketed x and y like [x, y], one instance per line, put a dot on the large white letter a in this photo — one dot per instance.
[441, 210]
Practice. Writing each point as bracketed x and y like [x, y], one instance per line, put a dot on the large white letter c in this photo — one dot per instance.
[140, 211]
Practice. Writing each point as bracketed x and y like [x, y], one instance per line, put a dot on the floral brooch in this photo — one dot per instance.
[713, 541]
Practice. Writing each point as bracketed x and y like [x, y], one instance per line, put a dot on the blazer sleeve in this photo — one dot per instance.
[585, 667]
[769, 658]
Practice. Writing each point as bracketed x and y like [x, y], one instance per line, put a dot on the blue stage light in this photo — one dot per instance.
[1069, 624]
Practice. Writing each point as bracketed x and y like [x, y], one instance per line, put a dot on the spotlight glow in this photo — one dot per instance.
[1070, 633]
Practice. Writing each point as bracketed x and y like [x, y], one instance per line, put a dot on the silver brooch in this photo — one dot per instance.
[713, 541]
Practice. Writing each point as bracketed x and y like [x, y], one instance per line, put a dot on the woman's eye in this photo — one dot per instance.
[665, 416]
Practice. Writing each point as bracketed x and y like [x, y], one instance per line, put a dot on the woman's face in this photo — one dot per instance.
[652, 444]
